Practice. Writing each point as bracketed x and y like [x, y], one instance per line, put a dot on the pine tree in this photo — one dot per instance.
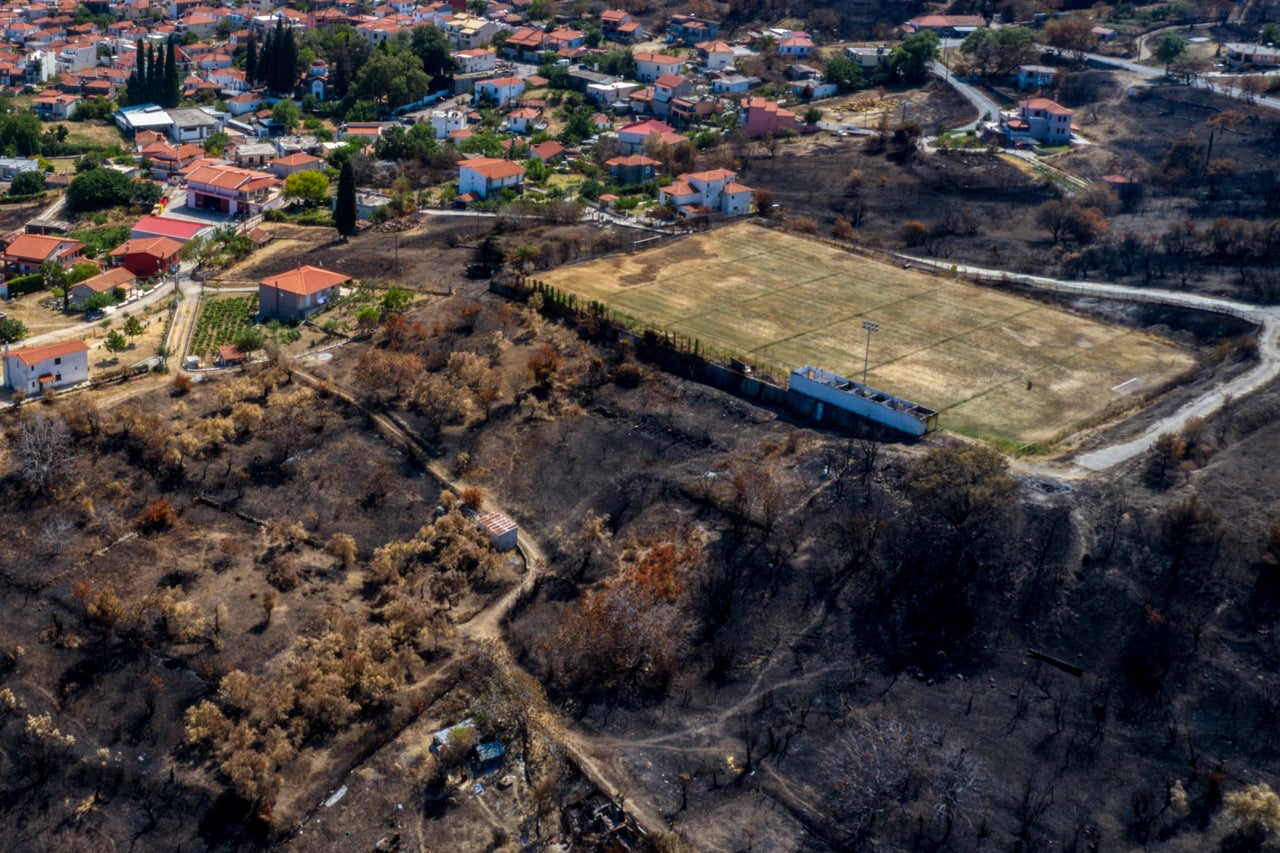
[344, 211]
[172, 84]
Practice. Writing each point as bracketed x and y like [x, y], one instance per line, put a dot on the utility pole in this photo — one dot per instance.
[866, 359]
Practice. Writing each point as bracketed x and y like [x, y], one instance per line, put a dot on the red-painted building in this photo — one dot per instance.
[147, 256]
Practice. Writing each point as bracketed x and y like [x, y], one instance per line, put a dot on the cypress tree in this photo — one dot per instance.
[153, 76]
[172, 85]
[138, 92]
[277, 57]
[251, 60]
[344, 211]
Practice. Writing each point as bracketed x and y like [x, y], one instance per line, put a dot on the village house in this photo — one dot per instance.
[688, 29]
[147, 256]
[501, 90]
[299, 293]
[484, 177]
[523, 120]
[633, 169]
[1035, 76]
[1038, 120]
[34, 370]
[633, 137]
[716, 55]
[55, 107]
[651, 66]
[946, 26]
[763, 118]
[231, 190]
[283, 167]
[700, 193]
[1256, 55]
[617, 25]
[26, 253]
[116, 279]
[795, 46]
[476, 60]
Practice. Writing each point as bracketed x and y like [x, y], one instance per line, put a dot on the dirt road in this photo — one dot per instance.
[1262, 374]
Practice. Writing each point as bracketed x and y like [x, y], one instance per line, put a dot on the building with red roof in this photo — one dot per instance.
[34, 370]
[714, 191]
[26, 253]
[297, 294]
[1038, 120]
[182, 230]
[763, 118]
[487, 176]
[147, 256]
[117, 278]
[232, 191]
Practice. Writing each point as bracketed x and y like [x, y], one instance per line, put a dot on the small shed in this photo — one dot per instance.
[489, 756]
[464, 733]
[502, 531]
[231, 355]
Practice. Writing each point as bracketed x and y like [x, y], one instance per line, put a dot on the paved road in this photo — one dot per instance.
[980, 101]
[1262, 374]
[1154, 73]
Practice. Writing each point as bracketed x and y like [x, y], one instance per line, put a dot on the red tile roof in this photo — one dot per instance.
[34, 355]
[109, 280]
[488, 167]
[178, 229]
[38, 247]
[307, 280]
[156, 247]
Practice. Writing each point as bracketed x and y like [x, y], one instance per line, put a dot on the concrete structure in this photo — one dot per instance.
[476, 60]
[829, 389]
[283, 167]
[297, 294]
[502, 531]
[55, 107]
[868, 57]
[118, 278]
[957, 26]
[486, 176]
[147, 256]
[191, 125]
[1035, 76]
[37, 369]
[11, 166]
[445, 122]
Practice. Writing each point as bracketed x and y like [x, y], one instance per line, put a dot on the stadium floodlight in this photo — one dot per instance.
[866, 359]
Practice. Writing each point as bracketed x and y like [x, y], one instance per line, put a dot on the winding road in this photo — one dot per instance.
[1262, 374]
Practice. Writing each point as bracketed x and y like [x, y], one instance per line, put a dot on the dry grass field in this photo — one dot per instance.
[995, 366]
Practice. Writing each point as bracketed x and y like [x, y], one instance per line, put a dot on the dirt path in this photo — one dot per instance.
[1262, 374]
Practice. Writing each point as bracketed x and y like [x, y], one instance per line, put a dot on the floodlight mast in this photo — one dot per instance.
[866, 359]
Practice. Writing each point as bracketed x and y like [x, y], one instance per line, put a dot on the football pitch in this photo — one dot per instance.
[993, 365]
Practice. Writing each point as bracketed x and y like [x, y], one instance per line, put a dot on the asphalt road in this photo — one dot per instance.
[980, 101]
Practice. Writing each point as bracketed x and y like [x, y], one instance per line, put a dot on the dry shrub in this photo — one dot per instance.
[803, 224]
[156, 516]
[628, 375]
[284, 573]
[472, 498]
[182, 383]
[843, 230]
[343, 547]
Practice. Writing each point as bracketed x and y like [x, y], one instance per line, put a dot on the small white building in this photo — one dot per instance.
[34, 370]
[502, 531]
[716, 191]
[486, 176]
[476, 60]
[445, 122]
[501, 90]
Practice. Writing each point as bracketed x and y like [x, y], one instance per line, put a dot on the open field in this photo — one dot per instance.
[994, 365]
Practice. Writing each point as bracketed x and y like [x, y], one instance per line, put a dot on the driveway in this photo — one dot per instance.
[982, 102]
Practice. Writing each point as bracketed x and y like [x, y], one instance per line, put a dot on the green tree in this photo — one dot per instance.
[99, 188]
[1073, 34]
[55, 278]
[171, 92]
[431, 46]
[250, 339]
[27, 183]
[844, 72]
[286, 113]
[133, 327]
[1271, 35]
[999, 51]
[344, 211]
[216, 143]
[394, 302]
[813, 115]
[12, 331]
[391, 79]
[910, 59]
[115, 342]
[1169, 48]
[309, 188]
